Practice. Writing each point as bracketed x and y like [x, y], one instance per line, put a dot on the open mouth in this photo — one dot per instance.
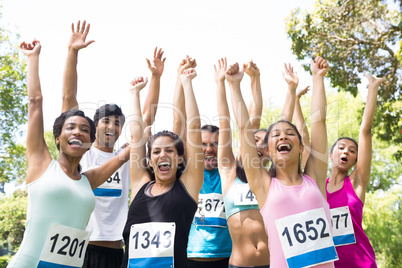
[164, 167]
[76, 143]
[209, 160]
[109, 134]
[284, 147]
[344, 159]
[259, 153]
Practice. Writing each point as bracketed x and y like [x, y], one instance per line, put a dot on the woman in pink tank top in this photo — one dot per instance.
[295, 212]
[346, 193]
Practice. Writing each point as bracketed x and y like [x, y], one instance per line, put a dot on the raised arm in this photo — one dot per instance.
[292, 80]
[179, 111]
[193, 176]
[360, 176]
[138, 173]
[38, 155]
[256, 174]
[256, 104]
[317, 163]
[301, 125]
[226, 160]
[152, 99]
[77, 42]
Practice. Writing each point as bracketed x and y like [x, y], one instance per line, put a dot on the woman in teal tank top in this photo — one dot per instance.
[60, 198]
[246, 226]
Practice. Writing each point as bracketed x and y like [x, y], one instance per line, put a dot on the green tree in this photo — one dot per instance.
[12, 219]
[13, 107]
[382, 221]
[344, 116]
[356, 36]
[51, 145]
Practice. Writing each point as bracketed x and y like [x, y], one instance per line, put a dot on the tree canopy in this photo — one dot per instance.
[355, 37]
[13, 107]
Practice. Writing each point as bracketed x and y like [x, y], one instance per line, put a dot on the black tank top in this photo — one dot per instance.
[176, 205]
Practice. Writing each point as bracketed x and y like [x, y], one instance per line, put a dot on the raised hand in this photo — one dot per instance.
[251, 69]
[375, 80]
[290, 76]
[79, 35]
[32, 48]
[138, 83]
[319, 67]
[234, 74]
[158, 64]
[302, 92]
[188, 74]
[185, 64]
[221, 70]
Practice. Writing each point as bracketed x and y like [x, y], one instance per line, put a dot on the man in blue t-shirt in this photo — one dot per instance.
[209, 243]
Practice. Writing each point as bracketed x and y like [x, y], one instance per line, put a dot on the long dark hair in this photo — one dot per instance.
[178, 144]
[272, 168]
[59, 123]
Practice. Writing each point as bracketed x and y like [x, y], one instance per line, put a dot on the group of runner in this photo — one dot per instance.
[271, 205]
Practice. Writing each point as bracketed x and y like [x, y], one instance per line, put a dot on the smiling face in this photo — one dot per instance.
[164, 158]
[108, 131]
[284, 144]
[344, 154]
[74, 139]
[210, 149]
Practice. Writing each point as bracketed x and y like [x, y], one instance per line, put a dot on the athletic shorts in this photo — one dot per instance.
[209, 264]
[102, 257]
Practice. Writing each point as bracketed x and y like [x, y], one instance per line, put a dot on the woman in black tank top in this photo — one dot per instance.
[163, 193]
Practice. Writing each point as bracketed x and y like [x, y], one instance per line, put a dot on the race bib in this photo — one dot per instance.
[211, 211]
[306, 239]
[342, 227]
[244, 196]
[64, 247]
[152, 245]
[112, 187]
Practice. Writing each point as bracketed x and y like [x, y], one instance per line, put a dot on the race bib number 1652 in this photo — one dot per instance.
[306, 239]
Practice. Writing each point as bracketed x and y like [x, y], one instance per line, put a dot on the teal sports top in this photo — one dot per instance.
[54, 198]
[233, 193]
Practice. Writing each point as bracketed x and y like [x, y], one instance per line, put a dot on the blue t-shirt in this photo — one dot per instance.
[209, 235]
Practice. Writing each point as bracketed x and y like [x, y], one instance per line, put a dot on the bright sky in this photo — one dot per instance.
[126, 32]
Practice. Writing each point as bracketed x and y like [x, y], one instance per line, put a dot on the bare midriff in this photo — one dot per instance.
[249, 239]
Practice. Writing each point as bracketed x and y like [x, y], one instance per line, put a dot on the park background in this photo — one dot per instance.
[270, 33]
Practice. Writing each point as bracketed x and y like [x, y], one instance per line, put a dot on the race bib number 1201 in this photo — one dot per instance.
[64, 247]
[152, 245]
[306, 239]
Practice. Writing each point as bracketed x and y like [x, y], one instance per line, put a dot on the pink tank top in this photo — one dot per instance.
[285, 201]
[361, 253]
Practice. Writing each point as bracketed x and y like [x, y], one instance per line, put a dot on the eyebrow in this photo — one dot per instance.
[74, 124]
[343, 143]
